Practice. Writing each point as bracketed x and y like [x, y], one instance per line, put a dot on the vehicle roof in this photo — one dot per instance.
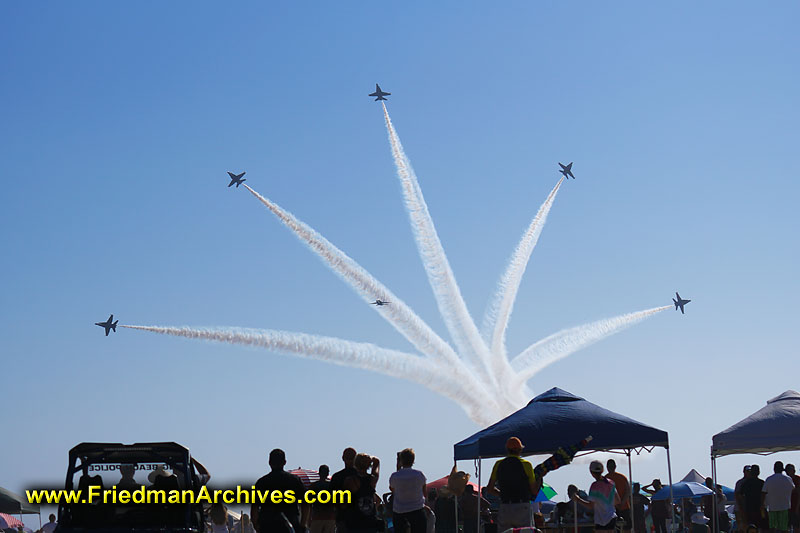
[118, 452]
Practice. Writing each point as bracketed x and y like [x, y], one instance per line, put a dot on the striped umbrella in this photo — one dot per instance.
[306, 476]
[8, 521]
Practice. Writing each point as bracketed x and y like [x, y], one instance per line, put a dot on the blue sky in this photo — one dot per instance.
[120, 120]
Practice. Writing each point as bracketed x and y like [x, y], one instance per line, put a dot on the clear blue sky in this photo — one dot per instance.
[120, 119]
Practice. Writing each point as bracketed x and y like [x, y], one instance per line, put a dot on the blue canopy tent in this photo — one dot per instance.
[773, 428]
[558, 418]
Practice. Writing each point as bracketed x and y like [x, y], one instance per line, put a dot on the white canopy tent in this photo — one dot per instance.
[773, 428]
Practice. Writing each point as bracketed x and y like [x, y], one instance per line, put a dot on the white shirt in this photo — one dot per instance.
[406, 485]
[778, 488]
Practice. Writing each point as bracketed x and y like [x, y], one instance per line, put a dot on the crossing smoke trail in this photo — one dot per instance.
[499, 313]
[445, 381]
[440, 276]
[559, 345]
[411, 326]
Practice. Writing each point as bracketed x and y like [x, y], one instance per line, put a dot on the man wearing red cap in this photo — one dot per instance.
[514, 481]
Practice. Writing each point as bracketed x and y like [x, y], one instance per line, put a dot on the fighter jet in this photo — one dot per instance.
[236, 178]
[378, 93]
[566, 170]
[380, 303]
[109, 324]
[680, 302]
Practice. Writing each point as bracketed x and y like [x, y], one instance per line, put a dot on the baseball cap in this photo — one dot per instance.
[513, 443]
[596, 466]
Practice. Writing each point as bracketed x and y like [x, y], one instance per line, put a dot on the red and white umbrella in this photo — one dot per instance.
[8, 521]
[306, 476]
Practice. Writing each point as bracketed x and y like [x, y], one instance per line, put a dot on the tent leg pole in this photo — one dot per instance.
[715, 518]
[479, 495]
[630, 490]
[575, 514]
[671, 506]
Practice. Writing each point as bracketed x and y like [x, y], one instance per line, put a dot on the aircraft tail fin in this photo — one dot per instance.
[114, 326]
[676, 303]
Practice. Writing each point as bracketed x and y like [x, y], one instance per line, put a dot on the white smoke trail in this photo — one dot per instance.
[397, 313]
[567, 341]
[440, 276]
[445, 381]
[499, 313]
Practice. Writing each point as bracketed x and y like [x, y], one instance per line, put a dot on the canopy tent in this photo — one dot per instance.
[558, 418]
[773, 428]
[681, 490]
[694, 476]
[12, 503]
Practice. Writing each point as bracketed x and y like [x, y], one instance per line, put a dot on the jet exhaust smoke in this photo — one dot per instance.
[567, 341]
[354, 354]
[440, 276]
[499, 312]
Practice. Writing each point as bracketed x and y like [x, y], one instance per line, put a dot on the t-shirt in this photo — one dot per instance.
[321, 511]
[49, 527]
[406, 485]
[514, 476]
[337, 483]
[601, 493]
[621, 483]
[268, 512]
[778, 488]
[796, 480]
[751, 491]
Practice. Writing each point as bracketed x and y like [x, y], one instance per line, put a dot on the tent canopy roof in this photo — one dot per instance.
[559, 418]
[12, 503]
[773, 428]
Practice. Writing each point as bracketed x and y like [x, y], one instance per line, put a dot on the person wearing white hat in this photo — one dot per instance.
[603, 498]
[699, 523]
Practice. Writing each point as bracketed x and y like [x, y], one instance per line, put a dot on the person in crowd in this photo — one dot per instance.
[603, 499]
[360, 516]
[640, 502]
[567, 513]
[269, 517]
[244, 525]
[323, 515]
[469, 510]
[50, 526]
[707, 501]
[517, 485]
[751, 494]
[218, 515]
[659, 511]
[408, 490]
[337, 483]
[699, 523]
[739, 515]
[623, 509]
[794, 511]
[776, 498]
[127, 481]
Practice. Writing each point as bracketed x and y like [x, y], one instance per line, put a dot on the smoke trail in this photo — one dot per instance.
[440, 276]
[445, 381]
[559, 345]
[498, 314]
[397, 313]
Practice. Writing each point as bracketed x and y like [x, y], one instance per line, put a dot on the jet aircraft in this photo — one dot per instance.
[109, 324]
[378, 93]
[380, 303]
[566, 170]
[680, 302]
[236, 178]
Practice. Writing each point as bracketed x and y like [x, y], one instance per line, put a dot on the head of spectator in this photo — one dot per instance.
[657, 484]
[636, 488]
[746, 470]
[160, 471]
[127, 471]
[596, 469]
[611, 464]
[52, 517]
[432, 494]
[324, 470]
[406, 458]
[709, 482]
[469, 489]
[362, 462]
[572, 490]
[778, 467]
[755, 470]
[348, 456]
[277, 459]
[789, 469]
[514, 446]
